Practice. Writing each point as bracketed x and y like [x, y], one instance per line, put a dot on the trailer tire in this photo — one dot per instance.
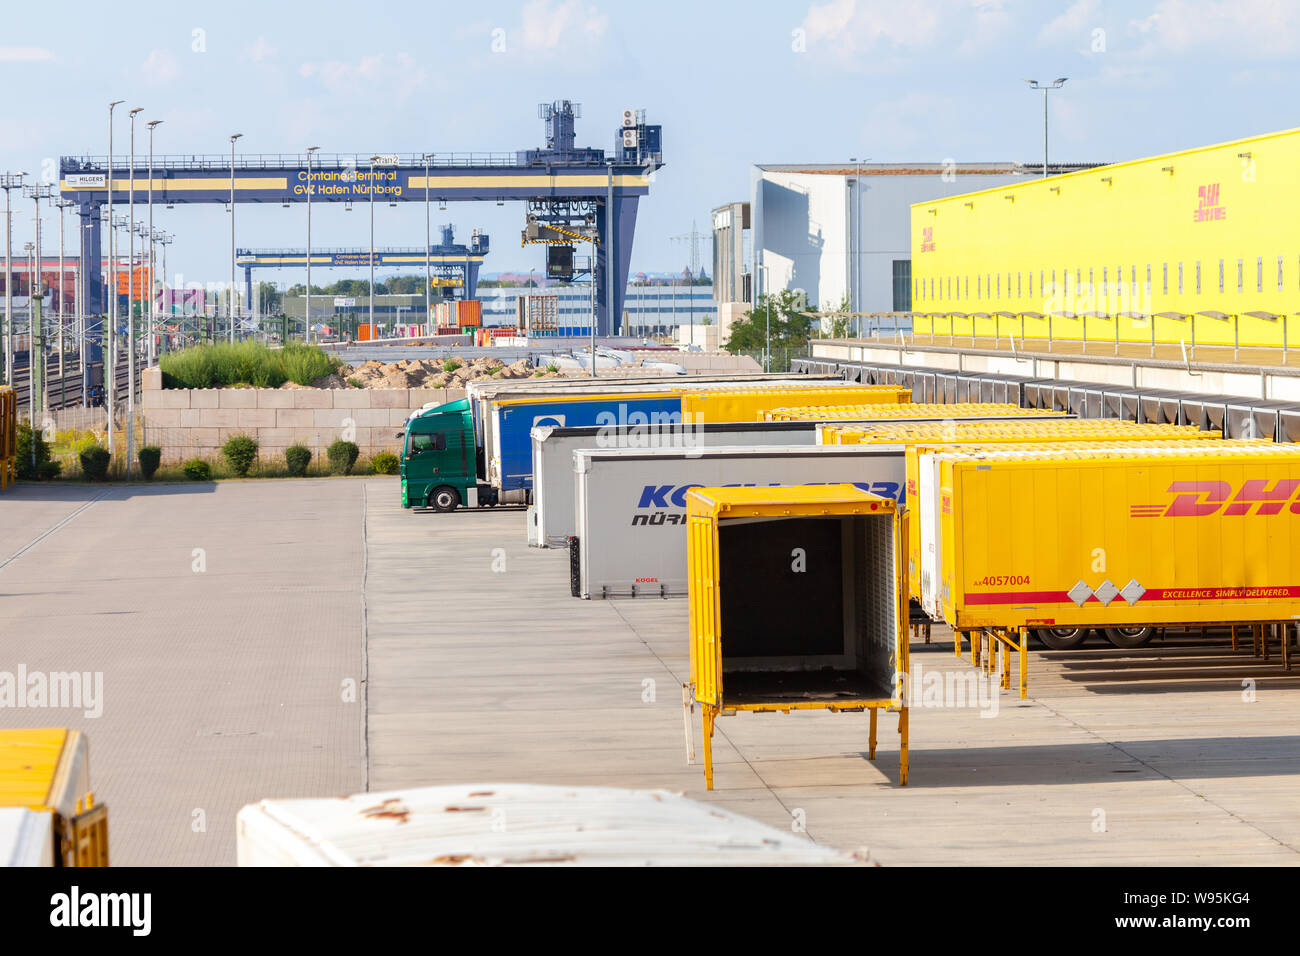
[1061, 638]
[444, 498]
[1128, 637]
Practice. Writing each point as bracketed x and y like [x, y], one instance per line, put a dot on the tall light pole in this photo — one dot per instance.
[153, 312]
[233, 137]
[35, 300]
[428, 247]
[130, 301]
[1054, 85]
[164, 240]
[63, 204]
[307, 312]
[370, 187]
[9, 181]
[110, 358]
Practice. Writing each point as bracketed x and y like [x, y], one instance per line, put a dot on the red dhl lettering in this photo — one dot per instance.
[1200, 499]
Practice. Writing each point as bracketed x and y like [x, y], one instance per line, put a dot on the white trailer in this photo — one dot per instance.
[552, 519]
[516, 824]
[631, 504]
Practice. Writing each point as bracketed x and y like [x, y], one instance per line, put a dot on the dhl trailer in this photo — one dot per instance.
[1123, 541]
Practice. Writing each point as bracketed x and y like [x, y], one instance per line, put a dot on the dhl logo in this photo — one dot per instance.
[1197, 499]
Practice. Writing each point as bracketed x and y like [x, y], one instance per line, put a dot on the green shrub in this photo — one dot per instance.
[150, 456]
[196, 469]
[552, 367]
[226, 365]
[240, 452]
[297, 458]
[41, 468]
[94, 462]
[342, 456]
[451, 365]
[385, 463]
[355, 382]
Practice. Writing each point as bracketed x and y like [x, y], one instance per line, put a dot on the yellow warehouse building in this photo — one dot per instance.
[1200, 247]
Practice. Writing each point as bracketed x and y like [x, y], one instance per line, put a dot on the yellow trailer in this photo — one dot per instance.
[1012, 431]
[796, 600]
[748, 405]
[1120, 540]
[48, 814]
[8, 437]
[880, 412]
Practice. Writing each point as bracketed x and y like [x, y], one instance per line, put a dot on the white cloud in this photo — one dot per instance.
[400, 75]
[160, 67]
[1075, 22]
[25, 54]
[869, 34]
[260, 50]
[1251, 27]
[546, 24]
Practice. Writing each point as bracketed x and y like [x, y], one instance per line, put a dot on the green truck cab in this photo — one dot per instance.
[440, 464]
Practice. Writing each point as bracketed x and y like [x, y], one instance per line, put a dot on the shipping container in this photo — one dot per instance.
[1012, 431]
[796, 602]
[630, 505]
[46, 772]
[515, 824]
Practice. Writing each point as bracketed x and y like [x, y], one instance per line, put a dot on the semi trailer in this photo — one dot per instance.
[478, 451]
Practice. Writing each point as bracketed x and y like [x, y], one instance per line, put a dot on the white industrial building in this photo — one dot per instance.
[841, 231]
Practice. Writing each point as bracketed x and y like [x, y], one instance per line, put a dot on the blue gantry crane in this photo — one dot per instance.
[451, 264]
[572, 189]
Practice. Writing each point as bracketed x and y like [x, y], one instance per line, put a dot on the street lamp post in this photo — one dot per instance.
[164, 240]
[152, 355]
[1054, 85]
[110, 359]
[130, 301]
[307, 312]
[35, 301]
[63, 204]
[7, 182]
[370, 188]
[428, 245]
[233, 137]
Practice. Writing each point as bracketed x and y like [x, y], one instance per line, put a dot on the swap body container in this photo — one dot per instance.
[751, 404]
[50, 817]
[1181, 538]
[857, 413]
[796, 602]
[631, 505]
[924, 524]
[515, 824]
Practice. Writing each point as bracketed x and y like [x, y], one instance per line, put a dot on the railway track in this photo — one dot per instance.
[65, 391]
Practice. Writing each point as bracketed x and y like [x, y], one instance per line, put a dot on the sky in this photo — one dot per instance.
[732, 83]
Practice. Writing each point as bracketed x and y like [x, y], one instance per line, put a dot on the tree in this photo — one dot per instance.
[269, 297]
[841, 326]
[776, 312]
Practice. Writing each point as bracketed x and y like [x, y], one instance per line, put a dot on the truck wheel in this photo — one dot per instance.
[1127, 637]
[1061, 638]
[444, 498]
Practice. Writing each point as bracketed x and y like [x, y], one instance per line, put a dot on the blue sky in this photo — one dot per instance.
[732, 83]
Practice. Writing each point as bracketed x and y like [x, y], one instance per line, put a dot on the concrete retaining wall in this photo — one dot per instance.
[195, 422]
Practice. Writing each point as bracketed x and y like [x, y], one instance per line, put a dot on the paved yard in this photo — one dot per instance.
[232, 682]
